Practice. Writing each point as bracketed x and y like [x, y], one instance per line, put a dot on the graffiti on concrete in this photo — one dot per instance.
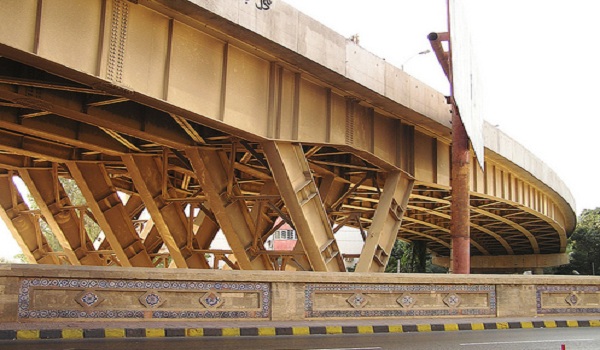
[262, 4]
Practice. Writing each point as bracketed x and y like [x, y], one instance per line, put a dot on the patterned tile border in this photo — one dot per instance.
[567, 309]
[311, 289]
[95, 333]
[28, 286]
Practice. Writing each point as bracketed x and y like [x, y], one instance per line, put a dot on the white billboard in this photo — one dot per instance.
[468, 91]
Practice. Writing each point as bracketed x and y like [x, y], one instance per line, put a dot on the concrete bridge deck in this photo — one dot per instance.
[215, 116]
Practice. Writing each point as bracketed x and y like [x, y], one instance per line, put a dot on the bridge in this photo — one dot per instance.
[215, 116]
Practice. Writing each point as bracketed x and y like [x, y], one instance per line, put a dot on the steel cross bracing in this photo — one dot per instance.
[173, 131]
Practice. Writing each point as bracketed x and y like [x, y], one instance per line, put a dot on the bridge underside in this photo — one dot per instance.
[205, 133]
[191, 181]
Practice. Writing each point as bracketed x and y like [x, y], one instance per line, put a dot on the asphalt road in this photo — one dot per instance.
[522, 339]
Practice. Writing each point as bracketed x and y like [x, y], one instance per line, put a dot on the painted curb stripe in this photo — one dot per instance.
[155, 333]
[477, 326]
[468, 326]
[267, 331]
[423, 328]
[8, 335]
[410, 328]
[175, 332]
[28, 334]
[72, 333]
[450, 327]
[284, 331]
[334, 329]
[194, 332]
[230, 332]
[94, 333]
[527, 325]
[365, 329]
[79, 333]
[248, 332]
[301, 330]
[114, 333]
[381, 329]
[135, 332]
[396, 329]
[350, 329]
[50, 334]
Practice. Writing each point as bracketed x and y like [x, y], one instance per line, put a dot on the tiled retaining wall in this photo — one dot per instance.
[45, 293]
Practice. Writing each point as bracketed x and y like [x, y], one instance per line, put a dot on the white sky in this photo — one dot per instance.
[538, 61]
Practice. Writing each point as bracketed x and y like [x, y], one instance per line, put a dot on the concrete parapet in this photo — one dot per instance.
[31, 293]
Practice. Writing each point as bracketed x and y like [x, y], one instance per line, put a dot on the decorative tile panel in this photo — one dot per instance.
[45, 298]
[568, 299]
[406, 300]
[89, 298]
[151, 299]
[211, 300]
[349, 300]
[572, 299]
[357, 301]
[452, 300]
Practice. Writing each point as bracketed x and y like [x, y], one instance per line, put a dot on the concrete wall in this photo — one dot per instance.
[45, 293]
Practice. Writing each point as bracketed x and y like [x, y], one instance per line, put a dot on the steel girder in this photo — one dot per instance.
[388, 216]
[299, 191]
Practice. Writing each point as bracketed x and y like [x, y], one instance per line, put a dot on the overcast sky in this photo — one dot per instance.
[538, 61]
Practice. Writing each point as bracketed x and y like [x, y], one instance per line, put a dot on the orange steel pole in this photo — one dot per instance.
[460, 262]
[460, 206]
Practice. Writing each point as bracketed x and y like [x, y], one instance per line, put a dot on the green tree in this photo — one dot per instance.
[585, 240]
[395, 256]
[413, 258]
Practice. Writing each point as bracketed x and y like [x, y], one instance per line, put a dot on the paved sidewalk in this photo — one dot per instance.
[164, 328]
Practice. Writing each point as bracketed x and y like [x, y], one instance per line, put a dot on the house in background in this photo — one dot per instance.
[348, 239]
[283, 239]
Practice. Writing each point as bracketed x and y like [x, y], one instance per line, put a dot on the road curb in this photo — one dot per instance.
[170, 332]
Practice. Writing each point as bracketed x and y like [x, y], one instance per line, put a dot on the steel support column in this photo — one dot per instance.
[212, 169]
[460, 206]
[103, 200]
[169, 218]
[299, 191]
[387, 219]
